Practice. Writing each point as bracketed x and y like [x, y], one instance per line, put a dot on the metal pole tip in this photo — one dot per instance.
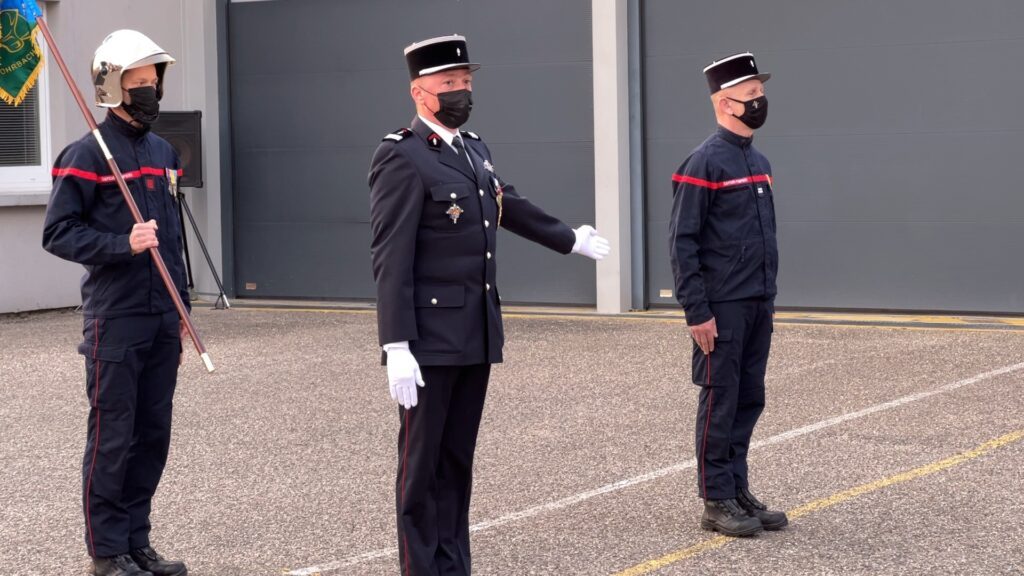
[208, 362]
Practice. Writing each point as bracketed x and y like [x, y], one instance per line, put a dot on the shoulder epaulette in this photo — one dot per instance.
[469, 135]
[398, 135]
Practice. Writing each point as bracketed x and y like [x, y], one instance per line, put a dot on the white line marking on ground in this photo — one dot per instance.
[654, 475]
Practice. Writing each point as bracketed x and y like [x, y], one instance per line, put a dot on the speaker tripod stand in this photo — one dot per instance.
[183, 210]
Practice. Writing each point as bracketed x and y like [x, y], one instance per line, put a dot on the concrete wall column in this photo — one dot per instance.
[611, 153]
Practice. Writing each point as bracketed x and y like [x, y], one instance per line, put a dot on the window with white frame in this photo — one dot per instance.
[25, 155]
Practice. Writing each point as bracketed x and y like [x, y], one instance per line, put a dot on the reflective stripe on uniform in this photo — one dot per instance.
[107, 178]
[717, 185]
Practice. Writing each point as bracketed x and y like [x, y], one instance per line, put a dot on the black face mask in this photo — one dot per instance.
[145, 106]
[455, 107]
[755, 111]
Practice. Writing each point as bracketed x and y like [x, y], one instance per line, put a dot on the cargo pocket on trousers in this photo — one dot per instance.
[704, 367]
[100, 363]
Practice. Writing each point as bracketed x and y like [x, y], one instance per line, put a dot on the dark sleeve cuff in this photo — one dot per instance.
[124, 247]
[698, 315]
[571, 241]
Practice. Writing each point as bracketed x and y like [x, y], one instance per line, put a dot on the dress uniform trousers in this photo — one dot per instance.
[131, 368]
[436, 442]
[732, 394]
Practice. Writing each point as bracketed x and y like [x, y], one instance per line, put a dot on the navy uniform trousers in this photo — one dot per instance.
[131, 368]
[732, 394]
[436, 442]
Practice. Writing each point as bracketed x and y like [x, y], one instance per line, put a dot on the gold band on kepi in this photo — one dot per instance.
[732, 70]
[437, 55]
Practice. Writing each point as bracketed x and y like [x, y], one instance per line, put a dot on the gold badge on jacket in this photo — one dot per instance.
[172, 182]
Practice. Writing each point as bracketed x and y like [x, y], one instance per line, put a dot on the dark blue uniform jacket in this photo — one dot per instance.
[722, 232]
[435, 275]
[88, 222]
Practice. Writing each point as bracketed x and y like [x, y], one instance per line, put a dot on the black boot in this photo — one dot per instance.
[727, 517]
[147, 558]
[770, 519]
[122, 565]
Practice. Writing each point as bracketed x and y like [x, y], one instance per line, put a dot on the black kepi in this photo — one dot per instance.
[438, 54]
[730, 71]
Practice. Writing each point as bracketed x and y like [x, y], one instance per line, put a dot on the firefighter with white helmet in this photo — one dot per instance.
[132, 333]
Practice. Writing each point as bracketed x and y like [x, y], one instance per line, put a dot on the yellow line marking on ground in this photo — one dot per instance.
[678, 556]
[994, 329]
[876, 318]
[997, 325]
[315, 310]
[829, 501]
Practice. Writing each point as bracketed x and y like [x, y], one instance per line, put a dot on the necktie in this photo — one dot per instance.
[460, 149]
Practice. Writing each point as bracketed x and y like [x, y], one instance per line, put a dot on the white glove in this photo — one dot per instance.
[403, 374]
[589, 244]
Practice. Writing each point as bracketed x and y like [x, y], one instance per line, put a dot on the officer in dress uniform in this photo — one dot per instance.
[725, 258]
[132, 338]
[436, 203]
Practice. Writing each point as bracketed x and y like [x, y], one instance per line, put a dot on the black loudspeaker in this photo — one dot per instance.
[183, 130]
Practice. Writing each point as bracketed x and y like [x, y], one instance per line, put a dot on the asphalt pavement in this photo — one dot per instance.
[899, 446]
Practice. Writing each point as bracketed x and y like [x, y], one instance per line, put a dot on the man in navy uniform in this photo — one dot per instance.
[132, 338]
[435, 207]
[725, 258]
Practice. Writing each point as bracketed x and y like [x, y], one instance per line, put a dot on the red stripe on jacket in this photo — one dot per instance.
[107, 178]
[717, 185]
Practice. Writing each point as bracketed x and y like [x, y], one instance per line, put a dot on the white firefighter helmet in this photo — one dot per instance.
[123, 50]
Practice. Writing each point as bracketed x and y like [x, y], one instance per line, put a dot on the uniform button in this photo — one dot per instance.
[433, 301]
[487, 223]
[454, 196]
[488, 255]
[488, 286]
[481, 192]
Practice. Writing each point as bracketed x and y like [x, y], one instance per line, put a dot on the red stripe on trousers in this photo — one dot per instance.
[405, 465]
[707, 426]
[96, 446]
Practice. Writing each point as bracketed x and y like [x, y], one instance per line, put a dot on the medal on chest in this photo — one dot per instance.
[172, 182]
[454, 211]
[498, 192]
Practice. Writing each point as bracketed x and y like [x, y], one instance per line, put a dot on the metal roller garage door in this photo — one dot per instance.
[316, 84]
[894, 134]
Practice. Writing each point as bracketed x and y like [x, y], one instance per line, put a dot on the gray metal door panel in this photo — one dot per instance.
[293, 249]
[296, 191]
[316, 84]
[892, 138]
